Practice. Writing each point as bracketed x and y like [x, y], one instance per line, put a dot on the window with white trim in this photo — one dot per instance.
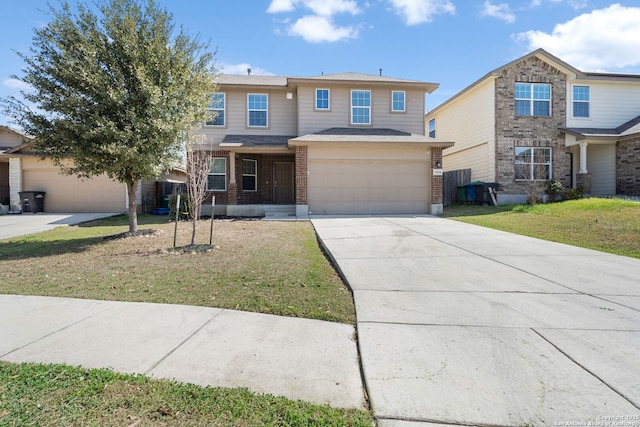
[257, 109]
[533, 163]
[533, 99]
[398, 101]
[217, 178]
[322, 99]
[249, 175]
[432, 128]
[581, 101]
[360, 107]
[216, 110]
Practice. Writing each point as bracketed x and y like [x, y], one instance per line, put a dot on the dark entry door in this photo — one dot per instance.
[283, 183]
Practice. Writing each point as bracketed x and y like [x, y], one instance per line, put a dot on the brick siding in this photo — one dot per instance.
[528, 131]
[301, 176]
[628, 167]
[436, 181]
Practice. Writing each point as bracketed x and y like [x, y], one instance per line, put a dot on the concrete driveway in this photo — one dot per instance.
[28, 223]
[464, 325]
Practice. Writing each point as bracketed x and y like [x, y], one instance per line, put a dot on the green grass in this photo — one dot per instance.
[57, 395]
[261, 266]
[608, 225]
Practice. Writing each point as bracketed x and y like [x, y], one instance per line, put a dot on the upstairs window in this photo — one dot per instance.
[249, 175]
[217, 178]
[322, 99]
[360, 107]
[581, 101]
[257, 110]
[432, 128]
[397, 101]
[533, 99]
[533, 163]
[216, 108]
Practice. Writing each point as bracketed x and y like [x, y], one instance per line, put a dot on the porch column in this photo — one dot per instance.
[302, 177]
[15, 183]
[583, 157]
[583, 177]
[232, 191]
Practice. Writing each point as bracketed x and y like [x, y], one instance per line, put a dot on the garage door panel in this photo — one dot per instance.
[353, 186]
[67, 193]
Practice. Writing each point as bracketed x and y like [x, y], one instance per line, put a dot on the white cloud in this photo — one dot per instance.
[418, 11]
[16, 84]
[500, 11]
[318, 29]
[606, 38]
[242, 69]
[575, 4]
[318, 7]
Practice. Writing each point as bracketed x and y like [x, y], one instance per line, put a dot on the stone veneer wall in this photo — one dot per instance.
[528, 131]
[628, 167]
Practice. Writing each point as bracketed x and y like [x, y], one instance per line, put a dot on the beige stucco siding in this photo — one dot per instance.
[368, 179]
[68, 193]
[612, 104]
[469, 121]
[281, 116]
[339, 114]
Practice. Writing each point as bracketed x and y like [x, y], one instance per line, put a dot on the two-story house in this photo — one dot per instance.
[333, 144]
[539, 118]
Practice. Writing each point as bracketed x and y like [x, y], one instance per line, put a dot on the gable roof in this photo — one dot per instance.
[550, 59]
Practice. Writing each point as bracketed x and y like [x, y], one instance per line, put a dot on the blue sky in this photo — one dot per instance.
[451, 42]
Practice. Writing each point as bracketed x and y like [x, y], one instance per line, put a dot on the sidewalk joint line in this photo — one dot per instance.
[181, 343]
[619, 393]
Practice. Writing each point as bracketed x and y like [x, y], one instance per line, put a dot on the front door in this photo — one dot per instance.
[283, 183]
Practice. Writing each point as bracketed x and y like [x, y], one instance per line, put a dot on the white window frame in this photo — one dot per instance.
[404, 101]
[254, 175]
[211, 173]
[215, 110]
[249, 110]
[582, 101]
[328, 100]
[432, 129]
[532, 99]
[532, 164]
[361, 107]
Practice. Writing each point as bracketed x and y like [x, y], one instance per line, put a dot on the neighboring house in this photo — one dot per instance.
[21, 170]
[540, 118]
[333, 144]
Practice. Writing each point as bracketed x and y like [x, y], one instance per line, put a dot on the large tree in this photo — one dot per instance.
[113, 89]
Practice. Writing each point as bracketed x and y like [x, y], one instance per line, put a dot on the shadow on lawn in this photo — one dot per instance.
[32, 247]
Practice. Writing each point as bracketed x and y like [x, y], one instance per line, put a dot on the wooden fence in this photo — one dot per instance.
[450, 182]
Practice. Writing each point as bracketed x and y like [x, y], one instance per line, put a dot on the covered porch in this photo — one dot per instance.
[606, 160]
[252, 176]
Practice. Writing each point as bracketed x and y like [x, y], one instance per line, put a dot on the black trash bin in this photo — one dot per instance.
[486, 196]
[32, 201]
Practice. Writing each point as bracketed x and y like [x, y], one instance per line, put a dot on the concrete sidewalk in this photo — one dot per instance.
[302, 359]
[20, 225]
[465, 325]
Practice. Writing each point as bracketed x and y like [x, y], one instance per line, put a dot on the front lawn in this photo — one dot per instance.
[608, 225]
[262, 266]
[57, 395]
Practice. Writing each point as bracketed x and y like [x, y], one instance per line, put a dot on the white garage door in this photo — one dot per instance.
[374, 186]
[69, 194]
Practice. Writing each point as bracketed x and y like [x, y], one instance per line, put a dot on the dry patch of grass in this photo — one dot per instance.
[608, 225]
[261, 266]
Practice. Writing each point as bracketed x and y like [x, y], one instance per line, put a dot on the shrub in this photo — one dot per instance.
[573, 194]
[553, 188]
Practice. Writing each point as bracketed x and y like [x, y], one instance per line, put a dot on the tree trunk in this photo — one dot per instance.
[132, 189]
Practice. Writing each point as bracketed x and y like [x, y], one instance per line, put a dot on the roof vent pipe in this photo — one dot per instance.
[248, 71]
[380, 72]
